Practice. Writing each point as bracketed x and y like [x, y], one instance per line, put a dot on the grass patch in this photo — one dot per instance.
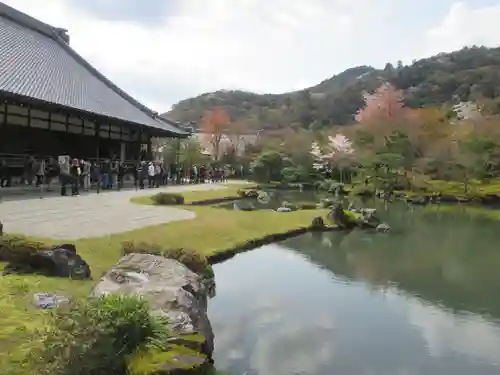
[231, 190]
[475, 188]
[210, 232]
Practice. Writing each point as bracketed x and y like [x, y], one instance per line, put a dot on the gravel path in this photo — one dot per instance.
[90, 215]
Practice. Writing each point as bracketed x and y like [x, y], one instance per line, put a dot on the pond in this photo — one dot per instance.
[423, 300]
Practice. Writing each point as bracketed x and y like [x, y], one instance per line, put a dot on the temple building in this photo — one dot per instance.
[53, 102]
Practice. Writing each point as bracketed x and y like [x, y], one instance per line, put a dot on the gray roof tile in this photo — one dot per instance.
[36, 62]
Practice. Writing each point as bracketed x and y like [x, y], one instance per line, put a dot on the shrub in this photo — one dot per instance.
[97, 335]
[192, 259]
[363, 190]
[306, 206]
[326, 203]
[331, 186]
[248, 193]
[296, 174]
[18, 249]
[167, 199]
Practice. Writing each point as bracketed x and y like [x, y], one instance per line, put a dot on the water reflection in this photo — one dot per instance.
[421, 301]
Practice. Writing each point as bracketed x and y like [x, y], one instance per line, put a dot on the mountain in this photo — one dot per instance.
[468, 74]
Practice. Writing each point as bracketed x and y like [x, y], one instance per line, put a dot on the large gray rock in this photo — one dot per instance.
[171, 289]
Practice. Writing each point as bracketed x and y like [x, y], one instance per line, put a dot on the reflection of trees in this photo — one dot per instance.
[445, 258]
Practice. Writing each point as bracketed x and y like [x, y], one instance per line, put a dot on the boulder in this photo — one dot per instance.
[171, 290]
[488, 199]
[318, 223]
[448, 199]
[338, 216]
[422, 200]
[57, 261]
[354, 218]
[383, 228]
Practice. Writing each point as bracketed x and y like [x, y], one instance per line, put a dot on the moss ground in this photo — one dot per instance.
[213, 230]
[454, 188]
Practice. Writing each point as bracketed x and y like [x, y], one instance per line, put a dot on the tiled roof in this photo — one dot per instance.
[36, 61]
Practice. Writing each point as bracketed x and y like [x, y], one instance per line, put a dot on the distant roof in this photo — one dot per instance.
[37, 62]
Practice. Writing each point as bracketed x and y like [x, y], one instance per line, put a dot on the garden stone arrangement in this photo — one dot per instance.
[172, 291]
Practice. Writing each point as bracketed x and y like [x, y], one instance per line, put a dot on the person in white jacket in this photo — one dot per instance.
[151, 174]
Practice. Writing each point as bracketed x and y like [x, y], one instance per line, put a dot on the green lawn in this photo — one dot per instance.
[474, 188]
[211, 231]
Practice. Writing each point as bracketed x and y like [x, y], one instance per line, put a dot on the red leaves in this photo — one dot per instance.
[386, 103]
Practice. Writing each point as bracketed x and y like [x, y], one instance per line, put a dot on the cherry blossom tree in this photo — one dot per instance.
[337, 153]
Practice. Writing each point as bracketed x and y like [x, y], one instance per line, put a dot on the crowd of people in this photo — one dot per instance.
[78, 174]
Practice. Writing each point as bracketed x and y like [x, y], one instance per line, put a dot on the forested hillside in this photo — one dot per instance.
[471, 74]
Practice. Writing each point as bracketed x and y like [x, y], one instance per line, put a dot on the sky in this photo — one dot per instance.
[163, 51]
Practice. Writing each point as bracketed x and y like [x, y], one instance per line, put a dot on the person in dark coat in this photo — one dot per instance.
[75, 172]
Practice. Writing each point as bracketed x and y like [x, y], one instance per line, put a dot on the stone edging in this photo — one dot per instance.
[266, 240]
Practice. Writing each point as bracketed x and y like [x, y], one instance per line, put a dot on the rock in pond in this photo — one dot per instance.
[383, 228]
[171, 290]
[318, 223]
[57, 261]
[418, 200]
[355, 218]
[283, 209]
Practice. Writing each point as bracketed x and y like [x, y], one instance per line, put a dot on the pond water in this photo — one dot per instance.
[423, 300]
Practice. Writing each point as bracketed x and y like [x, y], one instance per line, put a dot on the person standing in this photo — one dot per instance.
[39, 168]
[157, 175]
[105, 174]
[64, 175]
[52, 171]
[85, 174]
[75, 173]
[151, 174]
[121, 174]
[143, 174]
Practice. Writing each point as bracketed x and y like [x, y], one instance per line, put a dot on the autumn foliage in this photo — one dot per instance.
[215, 124]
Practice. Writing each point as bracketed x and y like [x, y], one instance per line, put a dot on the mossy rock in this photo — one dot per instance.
[177, 360]
[192, 259]
[248, 193]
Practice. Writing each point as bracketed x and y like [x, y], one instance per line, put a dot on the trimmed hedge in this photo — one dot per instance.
[168, 199]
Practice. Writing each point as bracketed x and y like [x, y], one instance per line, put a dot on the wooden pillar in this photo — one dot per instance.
[149, 148]
[178, 151]
[98, 143]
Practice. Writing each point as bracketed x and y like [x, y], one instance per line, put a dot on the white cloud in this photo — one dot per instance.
[447, 334]
[258, 45]
[465, 26]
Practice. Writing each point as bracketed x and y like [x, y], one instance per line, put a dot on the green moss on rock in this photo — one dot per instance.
[176, 360]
